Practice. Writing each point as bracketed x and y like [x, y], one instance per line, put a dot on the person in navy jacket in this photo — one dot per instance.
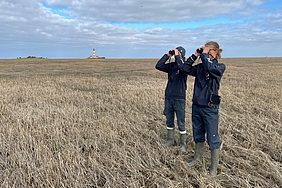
[175, 95]
[205, 100]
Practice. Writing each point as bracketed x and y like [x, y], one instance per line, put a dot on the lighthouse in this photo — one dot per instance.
[94, 55]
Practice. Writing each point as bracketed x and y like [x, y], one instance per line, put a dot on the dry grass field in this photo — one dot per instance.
[99, 123]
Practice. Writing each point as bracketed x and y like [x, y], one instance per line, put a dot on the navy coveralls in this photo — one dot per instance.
[175, 92]
[204, 115]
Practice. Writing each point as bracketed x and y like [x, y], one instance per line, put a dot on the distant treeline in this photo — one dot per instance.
[32, 57]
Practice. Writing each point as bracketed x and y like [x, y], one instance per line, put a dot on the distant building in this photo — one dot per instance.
[94, 56]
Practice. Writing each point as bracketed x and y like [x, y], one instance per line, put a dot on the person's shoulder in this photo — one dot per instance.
[220, 62]
[221, 65]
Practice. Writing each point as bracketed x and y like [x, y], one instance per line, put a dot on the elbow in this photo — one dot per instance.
[157, 67]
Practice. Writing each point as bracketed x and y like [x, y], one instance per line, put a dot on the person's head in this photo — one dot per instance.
[215, 50]
[182, 51]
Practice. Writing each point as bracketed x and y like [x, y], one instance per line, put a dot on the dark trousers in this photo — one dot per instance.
[205, 123]
[177, 107]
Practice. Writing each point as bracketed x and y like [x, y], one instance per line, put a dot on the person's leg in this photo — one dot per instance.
[198, 135]
[211, 124]
[169, 113]
[179, 107]
[198, 126]
[210, 119]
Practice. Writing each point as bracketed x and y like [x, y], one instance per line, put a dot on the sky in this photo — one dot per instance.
[138, 28]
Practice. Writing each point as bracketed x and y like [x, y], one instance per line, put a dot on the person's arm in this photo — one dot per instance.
[187, 66]
[214, 68]
[161, 64]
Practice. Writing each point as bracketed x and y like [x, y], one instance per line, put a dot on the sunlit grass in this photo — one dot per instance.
[99, 123]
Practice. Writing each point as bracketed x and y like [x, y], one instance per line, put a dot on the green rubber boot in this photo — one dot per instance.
[183, 143]
[214, 162]
[170, 138]
[198, 154]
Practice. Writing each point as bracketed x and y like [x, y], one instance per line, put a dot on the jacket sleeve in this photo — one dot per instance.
[161, 64]
[214, 68]
[187, 66]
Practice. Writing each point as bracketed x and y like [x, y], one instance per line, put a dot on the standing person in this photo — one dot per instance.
[205, 101]
[175, 96]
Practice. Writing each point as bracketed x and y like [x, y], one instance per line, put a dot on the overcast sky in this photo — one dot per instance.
[138, 28]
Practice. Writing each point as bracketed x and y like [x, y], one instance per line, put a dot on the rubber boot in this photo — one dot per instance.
[198, 154]
[214, 162]
[183, 143]
[170, 138]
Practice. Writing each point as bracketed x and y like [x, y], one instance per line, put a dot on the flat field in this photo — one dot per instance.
[99, 123]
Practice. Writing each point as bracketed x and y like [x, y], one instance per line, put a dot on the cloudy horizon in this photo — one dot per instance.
[138, 29]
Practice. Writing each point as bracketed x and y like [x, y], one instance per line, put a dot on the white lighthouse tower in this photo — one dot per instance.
[94, 53]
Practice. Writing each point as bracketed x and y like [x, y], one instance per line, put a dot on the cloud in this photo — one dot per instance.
[127, 28]
[157, 11]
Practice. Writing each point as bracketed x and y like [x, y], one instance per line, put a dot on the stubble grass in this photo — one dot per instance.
[99, 123]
